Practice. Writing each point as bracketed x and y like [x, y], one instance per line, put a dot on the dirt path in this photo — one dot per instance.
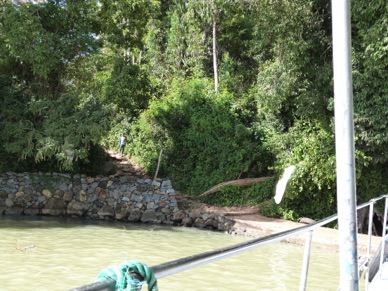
[247, 218]
[123, 164]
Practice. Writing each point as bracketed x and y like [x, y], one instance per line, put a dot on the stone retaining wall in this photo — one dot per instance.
[118, 197]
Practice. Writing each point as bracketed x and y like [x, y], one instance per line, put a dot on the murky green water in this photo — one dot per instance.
[60, 254]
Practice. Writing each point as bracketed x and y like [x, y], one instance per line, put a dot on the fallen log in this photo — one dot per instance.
[240, 182]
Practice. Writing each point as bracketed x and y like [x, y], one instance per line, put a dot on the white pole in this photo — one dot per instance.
[344, 136]
[306, 261]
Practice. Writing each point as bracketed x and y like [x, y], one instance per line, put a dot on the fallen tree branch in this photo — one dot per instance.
[240, 182]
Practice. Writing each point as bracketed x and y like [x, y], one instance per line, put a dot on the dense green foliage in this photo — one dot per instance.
[203, 141]
[49, 118]
[225, 89]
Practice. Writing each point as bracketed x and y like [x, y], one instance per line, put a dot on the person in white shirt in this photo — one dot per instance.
[122, 143]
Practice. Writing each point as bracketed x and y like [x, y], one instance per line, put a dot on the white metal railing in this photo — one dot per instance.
[183, 264]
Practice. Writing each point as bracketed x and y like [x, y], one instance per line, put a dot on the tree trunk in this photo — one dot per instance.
[215, 54]
[157, 169]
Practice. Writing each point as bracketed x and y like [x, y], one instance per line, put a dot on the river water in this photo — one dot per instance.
[41, 253]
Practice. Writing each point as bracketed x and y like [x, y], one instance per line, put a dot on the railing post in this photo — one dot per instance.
[383, 234]
[306, 261]
[370, 223]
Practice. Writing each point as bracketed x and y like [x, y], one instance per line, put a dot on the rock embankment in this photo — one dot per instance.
[121, 197]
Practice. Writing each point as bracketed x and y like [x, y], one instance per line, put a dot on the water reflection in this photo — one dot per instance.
[42, 253]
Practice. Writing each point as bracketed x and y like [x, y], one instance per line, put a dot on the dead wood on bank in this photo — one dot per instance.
[240, 182]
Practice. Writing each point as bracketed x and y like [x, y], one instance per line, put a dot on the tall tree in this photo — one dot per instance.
[174, 47]
[206, 14]
[125, 23]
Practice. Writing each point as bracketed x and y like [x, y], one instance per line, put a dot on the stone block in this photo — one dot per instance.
[47, 193]
[68, 196]
[77, 208]
[179, 216]
[8, 202]
[82, 196]
[149, 216]
[134, 215]
[187, 221]
[15, 210]
[105, 211]
[54, 207]
[121, 212]
[31, 211]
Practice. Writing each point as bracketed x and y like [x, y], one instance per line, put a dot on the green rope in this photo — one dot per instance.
[124, 281]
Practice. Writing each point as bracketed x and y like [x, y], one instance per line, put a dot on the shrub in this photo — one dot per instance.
[203, 141]
[270, 209]
[242, 196]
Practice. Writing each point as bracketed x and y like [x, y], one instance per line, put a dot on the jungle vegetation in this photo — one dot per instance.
[227, 89]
